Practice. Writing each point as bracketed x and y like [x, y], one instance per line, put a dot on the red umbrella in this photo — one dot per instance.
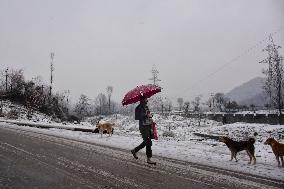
[133, 96]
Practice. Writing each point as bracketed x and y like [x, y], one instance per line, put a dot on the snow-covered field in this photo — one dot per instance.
[176, 140]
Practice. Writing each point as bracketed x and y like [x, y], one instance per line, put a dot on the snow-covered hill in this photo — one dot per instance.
[19, 112]
[248, 93]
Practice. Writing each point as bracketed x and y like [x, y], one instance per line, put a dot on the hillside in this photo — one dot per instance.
[248, 93]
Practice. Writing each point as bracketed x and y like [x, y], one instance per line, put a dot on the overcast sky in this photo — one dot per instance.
[198, 47]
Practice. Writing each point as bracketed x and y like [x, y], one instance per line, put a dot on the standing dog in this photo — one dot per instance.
[105, 126]
[235, 147]
[277, 148]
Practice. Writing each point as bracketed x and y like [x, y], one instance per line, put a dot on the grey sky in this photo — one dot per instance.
[116, 42]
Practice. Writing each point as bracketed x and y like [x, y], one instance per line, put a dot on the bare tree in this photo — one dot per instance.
[16, 81]
[101, 101]
[2, 81]
[30, 98]
[220, 101]
[82, 106]
[231, 105]
[196, 103]
[274, 76]
[109, 93]
[211, 103]
[168, 104]
[186, 106]
[180, 103]
[252, 106]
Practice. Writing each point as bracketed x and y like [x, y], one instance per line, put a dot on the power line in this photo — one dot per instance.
[232, 61]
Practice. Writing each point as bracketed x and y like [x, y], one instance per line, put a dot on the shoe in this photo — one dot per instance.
[134, 154]
[151, 162]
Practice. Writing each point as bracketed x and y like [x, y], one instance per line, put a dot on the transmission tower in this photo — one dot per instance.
[274, 71]
[155, 78]
[6, 75]
[269, 48]
[51, 72]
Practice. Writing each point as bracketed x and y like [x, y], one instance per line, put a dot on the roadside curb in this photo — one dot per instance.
[48, 126]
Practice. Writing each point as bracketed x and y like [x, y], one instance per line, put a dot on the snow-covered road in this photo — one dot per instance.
[32, 157]
[205, 152]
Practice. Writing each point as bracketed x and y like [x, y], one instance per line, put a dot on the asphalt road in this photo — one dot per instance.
[35, 160]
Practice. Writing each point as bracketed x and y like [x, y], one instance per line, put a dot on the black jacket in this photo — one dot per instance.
[141, 114]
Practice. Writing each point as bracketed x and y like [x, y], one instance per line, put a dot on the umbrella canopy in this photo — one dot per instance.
[133, 96]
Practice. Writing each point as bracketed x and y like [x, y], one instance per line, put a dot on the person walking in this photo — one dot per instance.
[144, 116]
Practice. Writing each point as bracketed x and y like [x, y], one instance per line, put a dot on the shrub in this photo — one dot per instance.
[13, 114]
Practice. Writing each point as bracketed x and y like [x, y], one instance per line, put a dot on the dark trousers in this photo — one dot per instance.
[145, 131]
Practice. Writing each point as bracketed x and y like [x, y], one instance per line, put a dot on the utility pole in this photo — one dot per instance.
[155, 78]
[6, 72]
[67, 100]
[51, 72]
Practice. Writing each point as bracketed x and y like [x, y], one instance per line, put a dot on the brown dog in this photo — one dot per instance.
[105, 126]
[235, 147]
[277, 148]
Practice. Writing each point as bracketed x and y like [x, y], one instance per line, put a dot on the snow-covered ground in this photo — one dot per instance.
[177, 141]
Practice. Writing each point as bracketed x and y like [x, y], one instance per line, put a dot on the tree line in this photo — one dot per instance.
[37, 96]
[217, 102]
